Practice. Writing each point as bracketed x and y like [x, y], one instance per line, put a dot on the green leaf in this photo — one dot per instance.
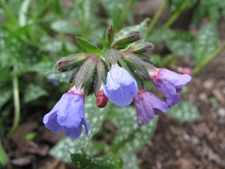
[23, 12]
[56, 75]
[184, 36]
[129, 137]
[103, 41]
[41, 67]
[214, 14]
[141, 27]
[3, 159]
[30, 136]
[161, 35]
[95, 148]
[33, 92]
[53, 45]
[206, 43]
[114, 9]
[209, 9]
[130, 161]
[199, 13]
[182, 44]
[88, 46]
[95, 118]
[222, 5]
[6, 94]
[65, 26]
[181, 48]
[86, 162]
[184, 111]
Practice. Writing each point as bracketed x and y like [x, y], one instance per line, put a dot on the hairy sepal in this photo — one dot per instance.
[72, 61]
[85, 75]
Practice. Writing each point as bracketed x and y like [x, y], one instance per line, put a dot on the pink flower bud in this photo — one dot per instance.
[61, 64]
[184, 70]
[101, 99]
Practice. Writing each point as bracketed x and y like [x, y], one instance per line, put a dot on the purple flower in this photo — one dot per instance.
[120, 87]
[169, 83]
[148, 105]
[68, 115]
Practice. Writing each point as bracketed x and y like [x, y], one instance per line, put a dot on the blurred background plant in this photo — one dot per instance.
[35, 33]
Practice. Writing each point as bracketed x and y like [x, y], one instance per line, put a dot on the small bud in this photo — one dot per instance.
[137, 65]
[141, 48]
[184, 70]
[101, 99]
[61, 64]
[101, 76]
[109, 36]
[72, 61]
[84, 77]
[127, 39]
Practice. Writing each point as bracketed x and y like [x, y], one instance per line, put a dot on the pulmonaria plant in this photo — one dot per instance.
[118, 75]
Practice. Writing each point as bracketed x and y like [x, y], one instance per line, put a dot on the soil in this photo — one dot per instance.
[199, 144]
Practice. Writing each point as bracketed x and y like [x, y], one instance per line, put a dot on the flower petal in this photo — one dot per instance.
[68, 115]
[148, 105]
[174, 78]
[121, 87]
[71, 113]
[84, 122]
[74, 133]
[179, 88]
[50, 121]
[168, 90]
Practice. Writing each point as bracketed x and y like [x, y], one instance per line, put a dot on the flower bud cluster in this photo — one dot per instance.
[117, 75]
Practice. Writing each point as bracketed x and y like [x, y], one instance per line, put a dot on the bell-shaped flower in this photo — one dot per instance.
[120, 87]
[147, 105]
[68, 115]
[169, 83]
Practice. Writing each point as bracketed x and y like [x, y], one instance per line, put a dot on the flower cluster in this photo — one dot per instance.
[118, 76]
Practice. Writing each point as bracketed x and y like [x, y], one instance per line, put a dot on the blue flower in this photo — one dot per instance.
[68, 115]
[148, 105]
[169, 83]
[120, 87]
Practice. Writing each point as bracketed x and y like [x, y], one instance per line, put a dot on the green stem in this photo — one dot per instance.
[208, 60]
[10, 15]
[124, 14]
[156, 17]
[177, 14]
[16, 103]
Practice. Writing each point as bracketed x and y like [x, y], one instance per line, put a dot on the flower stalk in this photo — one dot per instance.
[156, 17]
[124, 14]
[174, 17]
[16, 104]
